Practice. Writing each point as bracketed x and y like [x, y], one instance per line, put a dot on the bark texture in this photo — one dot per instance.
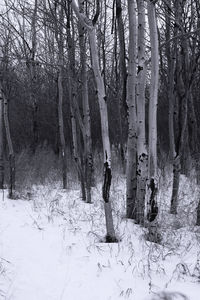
[152, 164]
[88, 157]
[122, 82]
[131, 179]
[142, 162]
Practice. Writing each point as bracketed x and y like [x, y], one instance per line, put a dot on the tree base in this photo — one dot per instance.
[153, 238]
[111, 239]
[14, 195]
[153, 235]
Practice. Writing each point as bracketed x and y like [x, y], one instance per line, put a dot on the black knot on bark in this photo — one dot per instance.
[153, 210]
[139, 69]
[107, 182]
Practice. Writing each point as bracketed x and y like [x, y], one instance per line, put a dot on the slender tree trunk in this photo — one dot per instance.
[74, 108]
[175, 185]
[90, 25]
[82, 164]
[120, 30]
[152, 202]
[173, 110]
[103, 40]
[33, 96]
[75, 140]
[123, 79]
[61, 124]
[105, 136]
[182, 93]
[117, 82]
[89, 169]
[59, 38]
[170, 54]
[176, 156]
[5, 121]
[194, 142]
[10, 147]
[131, 179]
[153, 91]
[1, 143]
[142, 163]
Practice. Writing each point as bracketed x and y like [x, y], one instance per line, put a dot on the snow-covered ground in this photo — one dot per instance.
[51, 248]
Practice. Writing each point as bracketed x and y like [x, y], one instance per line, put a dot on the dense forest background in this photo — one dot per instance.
[48, 63]
[17, 55]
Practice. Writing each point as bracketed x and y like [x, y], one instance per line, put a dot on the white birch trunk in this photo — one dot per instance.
[153, 91]
[142, 163]
[131, 180]
[88, 158]
[105, 135]
[152, 162]
[104, 121]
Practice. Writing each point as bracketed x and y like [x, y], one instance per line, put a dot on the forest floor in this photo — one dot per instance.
[51, 248]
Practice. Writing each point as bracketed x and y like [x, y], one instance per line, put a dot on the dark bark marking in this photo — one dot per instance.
[139, 69]
[107, 182]
[153, 211]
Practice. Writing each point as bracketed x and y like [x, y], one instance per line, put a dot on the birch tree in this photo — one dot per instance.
[74, 108]
[142, 163]
[59, 39]
[152, 159]
[90, 26]
[123, 77]
[89, 169]
[131, 179]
